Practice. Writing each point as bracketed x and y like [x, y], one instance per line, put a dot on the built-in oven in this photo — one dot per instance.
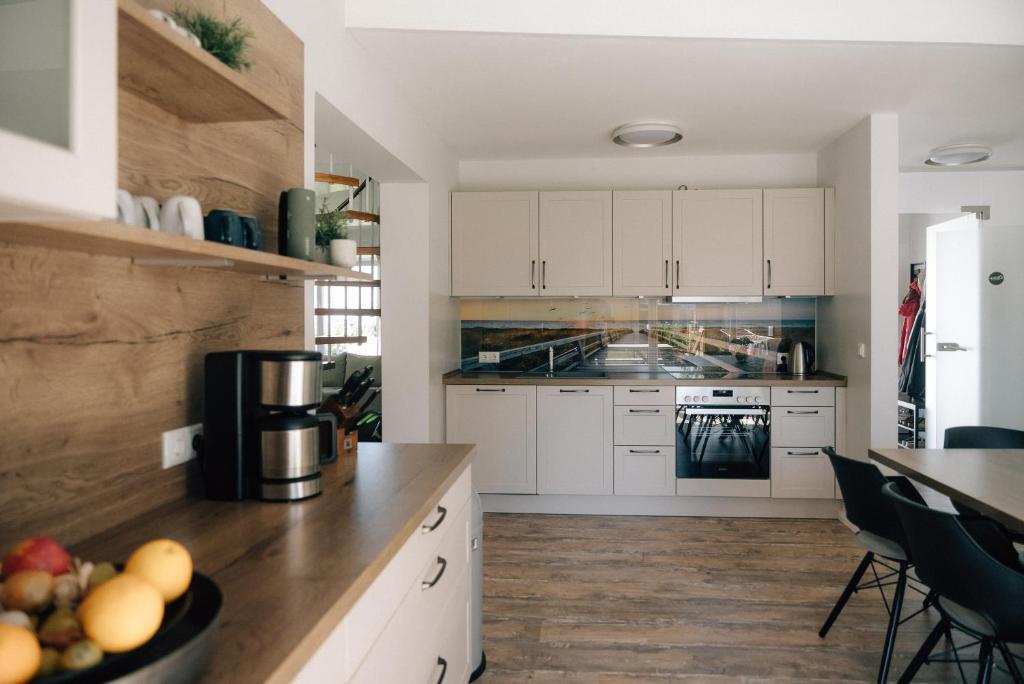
[723, 433]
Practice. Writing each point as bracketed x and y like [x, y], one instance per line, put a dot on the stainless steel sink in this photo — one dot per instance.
[564, 374]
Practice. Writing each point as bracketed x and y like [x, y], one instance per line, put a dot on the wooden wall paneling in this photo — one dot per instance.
[97, 358]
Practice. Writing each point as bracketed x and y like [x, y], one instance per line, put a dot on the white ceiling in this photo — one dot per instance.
[513, 96]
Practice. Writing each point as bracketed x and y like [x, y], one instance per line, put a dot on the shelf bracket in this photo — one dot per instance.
[205, 263]
[312, 276]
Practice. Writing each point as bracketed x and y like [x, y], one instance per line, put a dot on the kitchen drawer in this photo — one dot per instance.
[645, 425]
[804, 426]
[801, 473]
[645, 470]
[453, 652]
[645, 396]
[803, 396]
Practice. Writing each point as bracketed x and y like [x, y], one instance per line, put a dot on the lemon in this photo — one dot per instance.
[165, 564]
[19, 654]
[122, 613]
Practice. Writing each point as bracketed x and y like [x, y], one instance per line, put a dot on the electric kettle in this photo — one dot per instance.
[801, 358]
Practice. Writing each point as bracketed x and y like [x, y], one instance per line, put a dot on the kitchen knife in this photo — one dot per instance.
[350, 384]
[369, 398]
[364, 375]
[358, 393]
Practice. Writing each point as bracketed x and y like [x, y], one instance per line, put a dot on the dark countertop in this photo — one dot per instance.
[817, 379]
[290, 572]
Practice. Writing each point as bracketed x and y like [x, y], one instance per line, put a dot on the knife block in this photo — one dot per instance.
[348, 437]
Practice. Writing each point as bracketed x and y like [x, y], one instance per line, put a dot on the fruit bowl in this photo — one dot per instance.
[178, 652]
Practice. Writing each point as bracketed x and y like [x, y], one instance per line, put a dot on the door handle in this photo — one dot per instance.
[769, 274]
[442, 512]
[949, 346]
[645, 410]
[565, 391]
[643, 391]
[801, 391]
[802, 413]
[677, 274]
[666, 274]
[442, 566]
[481, 389]
[645, 451]
[533, 274]
[544, 275]
[801, 453]
[443, 665]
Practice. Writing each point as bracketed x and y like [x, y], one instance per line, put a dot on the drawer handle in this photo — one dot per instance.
[565, 391]
[442, 512]
[802, 413]
[645, 410]
[443, 564]
[645, 451]
[443, 664]
[480, 389]
[643, 391]
[801, 391]
[801, 453]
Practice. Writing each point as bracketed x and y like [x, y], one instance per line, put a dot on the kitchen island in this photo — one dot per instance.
[292, 573]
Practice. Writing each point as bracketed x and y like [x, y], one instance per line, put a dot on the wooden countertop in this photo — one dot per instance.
[818, 379]
[290, 572]
[991, 481]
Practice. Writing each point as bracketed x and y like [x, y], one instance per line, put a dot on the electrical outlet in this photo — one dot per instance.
[177, 445]
[490, 357]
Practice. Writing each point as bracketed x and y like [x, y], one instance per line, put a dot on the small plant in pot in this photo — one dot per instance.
[332, 238]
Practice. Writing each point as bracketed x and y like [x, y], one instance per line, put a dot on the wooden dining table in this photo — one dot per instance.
[991, 481]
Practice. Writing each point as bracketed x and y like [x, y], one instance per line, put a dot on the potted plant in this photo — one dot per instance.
[332, 238]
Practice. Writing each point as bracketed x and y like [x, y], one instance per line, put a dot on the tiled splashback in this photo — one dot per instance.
[633, 334]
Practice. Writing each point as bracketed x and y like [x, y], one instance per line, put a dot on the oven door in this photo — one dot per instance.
[723, 442]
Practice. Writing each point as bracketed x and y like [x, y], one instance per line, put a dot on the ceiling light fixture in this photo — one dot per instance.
[957, 155]
[647, 134]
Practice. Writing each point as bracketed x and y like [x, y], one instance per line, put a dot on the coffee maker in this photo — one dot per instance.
[259, 439]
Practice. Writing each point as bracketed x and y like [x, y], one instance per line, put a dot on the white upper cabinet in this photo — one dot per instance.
[717, 243]
[576, 244]
[495, 244]
[794, 242]
[642, 239]
[58, 110]
[574, 440]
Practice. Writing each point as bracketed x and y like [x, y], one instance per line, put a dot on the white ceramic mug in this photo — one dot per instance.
[147, 209]
[126, 210]
[182, 215]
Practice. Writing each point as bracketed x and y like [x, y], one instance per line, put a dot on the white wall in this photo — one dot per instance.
[736, 171]
[944, 192]
[414, 239]
[862, 165]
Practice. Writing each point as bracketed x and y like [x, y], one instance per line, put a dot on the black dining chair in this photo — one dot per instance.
[880, 534]
[983, 437]
[976, 592]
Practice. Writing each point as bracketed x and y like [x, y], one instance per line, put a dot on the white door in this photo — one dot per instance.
[717, 243]
[794, 242]
[576, 244]
[494, 244]
[973, 368]
[58, 110]
[642, 241]
[502, 422]
[574, 440]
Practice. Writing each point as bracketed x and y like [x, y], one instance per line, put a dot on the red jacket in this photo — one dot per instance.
[908, 309]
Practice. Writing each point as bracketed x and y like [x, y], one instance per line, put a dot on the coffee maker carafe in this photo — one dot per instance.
[259, 439]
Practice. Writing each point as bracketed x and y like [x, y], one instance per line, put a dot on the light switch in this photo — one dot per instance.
[862, 350]
[490, 357]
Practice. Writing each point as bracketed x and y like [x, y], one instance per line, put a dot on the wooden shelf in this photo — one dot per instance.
[361, 216]
[368, 250]
[361, 283]
[333, 179]
[168, 70]
[340, 340]
[154, 248]
[345, 312]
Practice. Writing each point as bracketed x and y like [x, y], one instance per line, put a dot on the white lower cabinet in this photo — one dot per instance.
[801, 473]
[645, 470]
[413, 620]
[502, 422]
[805, 426]
[574, 440]
[644, 425]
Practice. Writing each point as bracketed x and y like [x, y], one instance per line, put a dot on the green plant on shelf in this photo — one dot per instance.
[329, 226]
[225, 40]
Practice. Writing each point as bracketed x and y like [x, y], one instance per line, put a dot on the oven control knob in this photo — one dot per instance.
[757, 400]
[687, 398]
[747, 400]
[704, 398]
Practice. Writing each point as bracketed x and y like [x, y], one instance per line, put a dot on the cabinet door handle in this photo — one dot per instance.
[666, 274]
[801, 391]
[565, 391]
[484, 389]
[802, 413]
[801, 453]
[645, 410]
[644, 391]
[443, 664]
[544, 275]
[677, 274]
[769, 274]
[645, 451]
[442, 512]
[442, 566]
[533, 274]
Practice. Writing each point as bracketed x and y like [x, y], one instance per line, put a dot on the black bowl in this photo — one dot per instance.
[178, 652]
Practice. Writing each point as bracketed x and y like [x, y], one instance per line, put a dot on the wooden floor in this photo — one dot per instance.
[608, 599]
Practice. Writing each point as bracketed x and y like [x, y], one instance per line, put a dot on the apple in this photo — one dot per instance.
[37, 553]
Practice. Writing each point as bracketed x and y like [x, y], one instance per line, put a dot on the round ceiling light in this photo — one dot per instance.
[647, 134]
[957, 155]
